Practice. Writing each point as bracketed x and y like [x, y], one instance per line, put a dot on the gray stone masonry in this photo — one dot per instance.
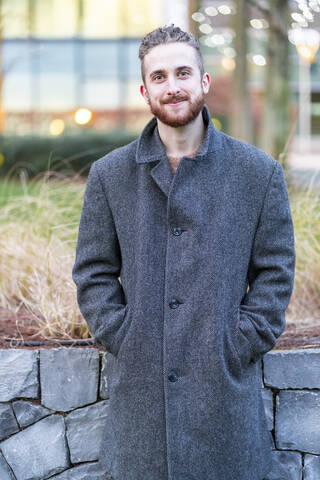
[53, 404]
[18, 374]
[67, 380]
[311, 467]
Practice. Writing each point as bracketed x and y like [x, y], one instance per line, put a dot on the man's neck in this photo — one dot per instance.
[181, 141]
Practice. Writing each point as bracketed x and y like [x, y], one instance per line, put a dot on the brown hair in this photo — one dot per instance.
[169, 34]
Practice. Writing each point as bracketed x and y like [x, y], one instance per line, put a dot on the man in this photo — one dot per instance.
[197, 226]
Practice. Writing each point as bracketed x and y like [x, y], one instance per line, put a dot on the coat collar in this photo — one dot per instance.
[150, 147]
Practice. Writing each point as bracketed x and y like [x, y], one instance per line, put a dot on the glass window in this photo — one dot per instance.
[17, 92]
[102, 93]
[133, 59]
[17, 79]
[96, 18]
[100, 18]
[16, 56]
[15, 18]
[100, 58]
[56, 56]
[55, 18]
[126, 18]
[139, 17]
[56, 92]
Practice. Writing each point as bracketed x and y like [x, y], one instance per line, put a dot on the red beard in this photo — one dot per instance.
[174, 119]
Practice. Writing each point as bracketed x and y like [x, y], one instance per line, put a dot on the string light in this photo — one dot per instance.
[198, 17]
[205, 28]
[259, 60]
[224, 9]
[211, 11]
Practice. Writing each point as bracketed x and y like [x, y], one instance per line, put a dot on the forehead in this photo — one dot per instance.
[170, 56]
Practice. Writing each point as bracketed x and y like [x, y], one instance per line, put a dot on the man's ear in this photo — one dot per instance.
[206, 82]
[144, 93]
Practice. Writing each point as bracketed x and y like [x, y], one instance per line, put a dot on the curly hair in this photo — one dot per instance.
[168, 34]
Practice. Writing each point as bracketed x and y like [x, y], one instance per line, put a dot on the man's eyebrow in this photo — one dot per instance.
[157, 72]
[185, 66]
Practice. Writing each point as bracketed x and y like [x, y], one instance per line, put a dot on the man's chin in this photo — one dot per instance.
[173, 119]
[172, 116]
[175, 123]
[176, 120]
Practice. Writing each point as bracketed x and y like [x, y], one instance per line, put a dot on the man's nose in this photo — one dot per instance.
[173, 85]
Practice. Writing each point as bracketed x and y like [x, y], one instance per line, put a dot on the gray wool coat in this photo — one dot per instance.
[185, 278]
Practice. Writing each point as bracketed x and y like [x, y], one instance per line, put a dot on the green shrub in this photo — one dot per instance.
[67, 154]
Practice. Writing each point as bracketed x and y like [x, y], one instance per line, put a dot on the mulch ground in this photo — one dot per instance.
[21, 327]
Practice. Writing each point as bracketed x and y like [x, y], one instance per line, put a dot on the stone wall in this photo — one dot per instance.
[53, 403]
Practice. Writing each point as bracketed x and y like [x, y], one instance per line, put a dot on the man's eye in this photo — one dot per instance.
[184, 73]
[158, 77]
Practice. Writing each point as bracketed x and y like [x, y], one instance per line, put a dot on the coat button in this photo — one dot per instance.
[172, 377]
[174, 303]
[177, 231]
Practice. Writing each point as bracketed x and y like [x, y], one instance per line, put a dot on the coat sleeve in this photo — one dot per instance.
[97, 267]
[270, 273]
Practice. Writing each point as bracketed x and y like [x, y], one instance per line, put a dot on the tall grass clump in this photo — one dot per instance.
[38, 231]
[304, 307]
[39, 222]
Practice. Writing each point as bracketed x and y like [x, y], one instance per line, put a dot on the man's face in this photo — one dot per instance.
[173, 86]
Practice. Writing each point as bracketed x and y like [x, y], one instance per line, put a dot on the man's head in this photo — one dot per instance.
[165, 35]
[174, 82]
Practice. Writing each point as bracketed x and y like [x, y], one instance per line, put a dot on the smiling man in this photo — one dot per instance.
[175, 87]
[184, 270]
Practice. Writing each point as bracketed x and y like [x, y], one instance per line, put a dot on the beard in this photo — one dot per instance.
[174, 119]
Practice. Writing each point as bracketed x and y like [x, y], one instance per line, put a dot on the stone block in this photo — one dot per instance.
[8, 422]
[283, 368]
[267, 398]
[311, 469]
[69, 377]
[28, 412]
[84, 431]
[107, 363]
[22, 367]
[297, 422]
[89, 471]
[285, 466]
[5, 471]
[38, 451]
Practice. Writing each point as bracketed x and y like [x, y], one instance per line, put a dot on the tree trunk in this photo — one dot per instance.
[193, 6]
[241, 118]
[275, 124]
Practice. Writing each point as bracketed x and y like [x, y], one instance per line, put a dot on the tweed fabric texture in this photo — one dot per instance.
[185, 280]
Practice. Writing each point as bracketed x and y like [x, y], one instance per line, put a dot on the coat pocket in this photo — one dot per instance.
[121, 333]
[236, 344]
[241, 343]
[231, 353]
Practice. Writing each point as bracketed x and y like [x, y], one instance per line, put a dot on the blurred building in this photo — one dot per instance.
[61, 55]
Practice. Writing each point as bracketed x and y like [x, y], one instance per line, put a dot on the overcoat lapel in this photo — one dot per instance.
[162, 175]
[151, 149]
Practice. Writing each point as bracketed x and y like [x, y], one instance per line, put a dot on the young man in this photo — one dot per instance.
[198, 227]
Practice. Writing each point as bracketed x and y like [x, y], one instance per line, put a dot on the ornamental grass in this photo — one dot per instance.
[39, 222]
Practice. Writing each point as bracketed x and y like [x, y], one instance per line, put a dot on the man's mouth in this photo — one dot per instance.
[175, 102]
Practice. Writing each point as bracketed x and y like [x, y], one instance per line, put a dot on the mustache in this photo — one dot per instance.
[175, 98]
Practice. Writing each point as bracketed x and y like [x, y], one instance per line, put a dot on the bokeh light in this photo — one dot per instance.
[83, 116]
[56, 126]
